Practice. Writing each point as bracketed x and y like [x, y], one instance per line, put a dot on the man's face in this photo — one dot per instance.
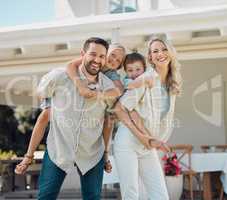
[94, 58]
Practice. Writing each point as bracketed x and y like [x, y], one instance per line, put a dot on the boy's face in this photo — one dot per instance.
[133, 70]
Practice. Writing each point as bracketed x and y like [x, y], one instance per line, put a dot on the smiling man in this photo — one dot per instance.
[75, 137]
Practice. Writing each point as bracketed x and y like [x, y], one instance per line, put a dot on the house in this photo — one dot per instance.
[198, 30]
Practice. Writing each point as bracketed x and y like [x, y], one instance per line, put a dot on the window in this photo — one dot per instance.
[121, 6]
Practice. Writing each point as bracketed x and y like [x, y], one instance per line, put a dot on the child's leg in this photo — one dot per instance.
[107, 130]
[135, 117]
[107, 133]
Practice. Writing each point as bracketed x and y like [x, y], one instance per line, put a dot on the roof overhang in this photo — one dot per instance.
[128, 24]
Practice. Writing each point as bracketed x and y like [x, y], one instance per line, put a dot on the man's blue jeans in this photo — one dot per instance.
[52, 177]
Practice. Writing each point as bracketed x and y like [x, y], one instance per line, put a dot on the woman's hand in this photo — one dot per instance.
[146, 141]
[164, 147]
[159, 145]
[22, 167]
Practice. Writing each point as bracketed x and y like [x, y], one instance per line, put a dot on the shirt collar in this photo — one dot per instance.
[83, 77]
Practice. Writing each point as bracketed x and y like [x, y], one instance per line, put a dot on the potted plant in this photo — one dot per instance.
[4, 168]
[173, 175]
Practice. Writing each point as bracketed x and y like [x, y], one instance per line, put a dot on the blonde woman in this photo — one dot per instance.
[136, 145]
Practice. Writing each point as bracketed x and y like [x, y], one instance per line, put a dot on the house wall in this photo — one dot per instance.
[192, 128]
[80, 8]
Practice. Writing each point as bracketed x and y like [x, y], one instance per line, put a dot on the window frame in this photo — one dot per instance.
[123, 7]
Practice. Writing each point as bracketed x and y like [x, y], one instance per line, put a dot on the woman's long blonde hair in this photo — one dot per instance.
[174, 80]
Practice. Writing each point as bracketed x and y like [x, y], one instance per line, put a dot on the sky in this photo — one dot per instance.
[18, 12]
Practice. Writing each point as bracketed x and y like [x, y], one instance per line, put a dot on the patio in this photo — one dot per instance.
[111, 191]
[199, 34]
[74, 194]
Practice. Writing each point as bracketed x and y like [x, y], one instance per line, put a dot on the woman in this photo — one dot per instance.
[135, 148]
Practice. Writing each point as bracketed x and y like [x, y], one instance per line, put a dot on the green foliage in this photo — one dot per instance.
[5, 155]
[8, 127]
[16, 128]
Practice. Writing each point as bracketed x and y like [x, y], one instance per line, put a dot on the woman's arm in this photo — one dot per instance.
[137, 120]
[37, 135]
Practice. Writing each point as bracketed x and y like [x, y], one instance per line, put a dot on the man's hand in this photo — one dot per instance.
[22, 167]
[107, 163]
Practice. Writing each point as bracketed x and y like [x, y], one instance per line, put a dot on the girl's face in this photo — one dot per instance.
[133, 70]
[114, 58]
[159, 54]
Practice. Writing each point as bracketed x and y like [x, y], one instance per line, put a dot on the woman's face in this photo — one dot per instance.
[135, 69]
[159, 54]
[114, 58]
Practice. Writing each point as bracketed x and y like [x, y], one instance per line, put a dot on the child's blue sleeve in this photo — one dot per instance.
[126, 81]
[45, 103]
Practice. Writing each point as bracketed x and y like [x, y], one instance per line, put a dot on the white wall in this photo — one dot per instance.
[63, 10]
[192, 127]
[82, 8]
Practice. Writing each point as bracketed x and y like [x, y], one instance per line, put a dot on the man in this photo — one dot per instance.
[76, 124]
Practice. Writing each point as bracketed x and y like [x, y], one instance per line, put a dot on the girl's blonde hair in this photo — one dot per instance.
[120, 47]
[174, 80]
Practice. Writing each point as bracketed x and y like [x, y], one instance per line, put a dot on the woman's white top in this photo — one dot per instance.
[154, 105]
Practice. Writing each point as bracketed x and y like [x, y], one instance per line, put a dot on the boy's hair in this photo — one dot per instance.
[95, 40]
[134, 57]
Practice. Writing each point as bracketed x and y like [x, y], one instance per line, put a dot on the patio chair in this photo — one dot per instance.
[214, 148]
[184, 152]
[216, 175]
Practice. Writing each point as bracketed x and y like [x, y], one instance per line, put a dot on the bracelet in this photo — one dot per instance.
[29, 156]
[106, 152]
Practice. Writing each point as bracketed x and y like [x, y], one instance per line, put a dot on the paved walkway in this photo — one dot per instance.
[110, 194]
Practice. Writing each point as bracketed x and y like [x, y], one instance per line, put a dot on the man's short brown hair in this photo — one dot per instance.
[95, 40]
